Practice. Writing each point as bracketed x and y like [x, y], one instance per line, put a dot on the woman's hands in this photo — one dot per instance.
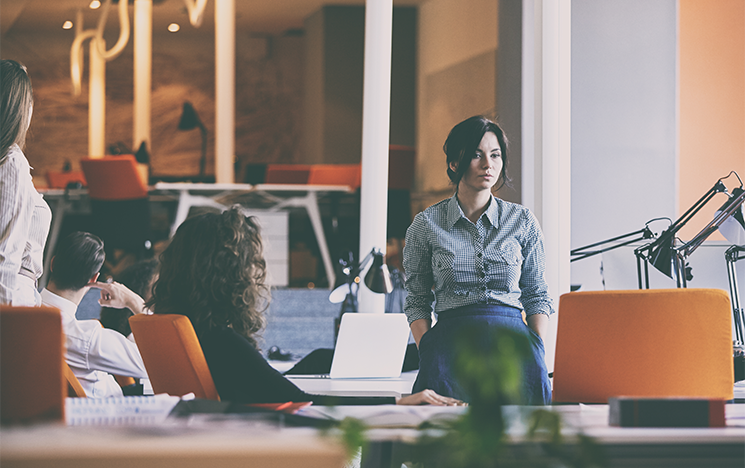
[429, 397]
[118, 296]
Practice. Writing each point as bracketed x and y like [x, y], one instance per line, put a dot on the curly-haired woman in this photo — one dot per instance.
[213, 271]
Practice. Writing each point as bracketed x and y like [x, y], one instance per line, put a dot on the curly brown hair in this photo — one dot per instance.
[213, 272]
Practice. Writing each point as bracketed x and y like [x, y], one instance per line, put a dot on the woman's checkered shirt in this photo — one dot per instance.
[499, 260]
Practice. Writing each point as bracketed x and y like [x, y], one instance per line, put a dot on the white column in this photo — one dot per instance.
[224, 90]
[96, 102]
[143, 37]
[547, 137]
[376, 107]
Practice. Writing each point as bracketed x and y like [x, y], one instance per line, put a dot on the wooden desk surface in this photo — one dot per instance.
[183, 445]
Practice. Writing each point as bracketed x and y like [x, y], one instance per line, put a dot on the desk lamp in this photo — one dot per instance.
[612, 243]
[377, 279]
[190, 120]
[733, 229]
[669, 259]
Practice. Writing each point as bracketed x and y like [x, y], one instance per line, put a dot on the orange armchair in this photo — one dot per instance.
[119, 204]
[643, 343]
[74, 388]
[173, 356]
[31, 364]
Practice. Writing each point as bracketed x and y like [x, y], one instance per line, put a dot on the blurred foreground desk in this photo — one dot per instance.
[223, 444]
[276, 196]
[626, 447]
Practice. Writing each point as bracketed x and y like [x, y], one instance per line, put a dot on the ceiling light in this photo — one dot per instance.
[173, 27]
[95, 4]
[67, 25]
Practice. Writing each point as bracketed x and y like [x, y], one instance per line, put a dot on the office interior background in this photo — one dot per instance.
[657, 98]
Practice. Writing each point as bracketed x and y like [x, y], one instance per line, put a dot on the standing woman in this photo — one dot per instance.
[24, 215]
[481, 260]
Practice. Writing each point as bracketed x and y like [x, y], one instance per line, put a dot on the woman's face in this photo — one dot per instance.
[485, 167]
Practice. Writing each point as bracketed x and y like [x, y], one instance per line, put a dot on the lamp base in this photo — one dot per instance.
[739, 362]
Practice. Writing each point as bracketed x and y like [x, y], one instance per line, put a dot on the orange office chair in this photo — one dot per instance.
[31, 364]
[287, 173]
[173, 356]
[61, 179]
[643, 343]
[336, 174]
[119, 203]
[74, 389]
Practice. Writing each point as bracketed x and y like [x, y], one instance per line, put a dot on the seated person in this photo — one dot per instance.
[213, 272]
[138, 277]
[91, 350]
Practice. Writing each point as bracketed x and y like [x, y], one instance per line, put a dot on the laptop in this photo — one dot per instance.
[369, 346]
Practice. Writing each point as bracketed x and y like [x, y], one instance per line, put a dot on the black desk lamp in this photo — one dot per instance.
[377, 279]
[732, 255]
[733, 229]
[669, 259]
[190, 120]
[610, 244]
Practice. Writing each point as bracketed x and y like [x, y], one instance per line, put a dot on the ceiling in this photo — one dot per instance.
[256, 16]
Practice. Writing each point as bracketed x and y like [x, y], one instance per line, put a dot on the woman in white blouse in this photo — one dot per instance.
[24, 215]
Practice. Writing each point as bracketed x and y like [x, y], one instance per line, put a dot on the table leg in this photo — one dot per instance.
[310, 203]
[185, 202]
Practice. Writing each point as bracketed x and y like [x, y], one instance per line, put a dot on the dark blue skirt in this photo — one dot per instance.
[437, 351]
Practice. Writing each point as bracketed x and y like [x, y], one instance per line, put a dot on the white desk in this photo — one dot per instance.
[280, 196]
[220, 196]
[357, 387]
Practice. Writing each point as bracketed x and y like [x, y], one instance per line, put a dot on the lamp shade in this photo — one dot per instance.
[661, 255]
[378, 278]
[189, 118]
[733, 228]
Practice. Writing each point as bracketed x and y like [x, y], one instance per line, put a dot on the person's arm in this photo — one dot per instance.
[16, 211]
[118, 296]
[417, 264]
[534, 294]
[106, 351]
[538, 323]
[419, 328]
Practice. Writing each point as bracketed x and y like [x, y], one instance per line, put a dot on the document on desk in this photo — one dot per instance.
[387, 415]
[119, 411]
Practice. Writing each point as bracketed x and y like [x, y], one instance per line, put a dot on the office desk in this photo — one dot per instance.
[278, 196]
[180, 444]
[624, 447]
[357, 387]
[221, 196]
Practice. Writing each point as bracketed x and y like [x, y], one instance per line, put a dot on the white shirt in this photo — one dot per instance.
[24, 225]
[93, 351]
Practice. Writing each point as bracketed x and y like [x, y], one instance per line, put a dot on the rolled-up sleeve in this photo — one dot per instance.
[418, 267]
[534, 289]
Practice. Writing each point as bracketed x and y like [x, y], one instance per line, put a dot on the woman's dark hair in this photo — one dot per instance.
[462, 142]
[213, 272]
[16, 99]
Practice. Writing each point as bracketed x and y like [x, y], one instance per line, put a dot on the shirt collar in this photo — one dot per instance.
[455, 212]
[67, 308]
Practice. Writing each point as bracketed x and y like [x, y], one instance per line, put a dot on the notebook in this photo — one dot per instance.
[369, 346]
